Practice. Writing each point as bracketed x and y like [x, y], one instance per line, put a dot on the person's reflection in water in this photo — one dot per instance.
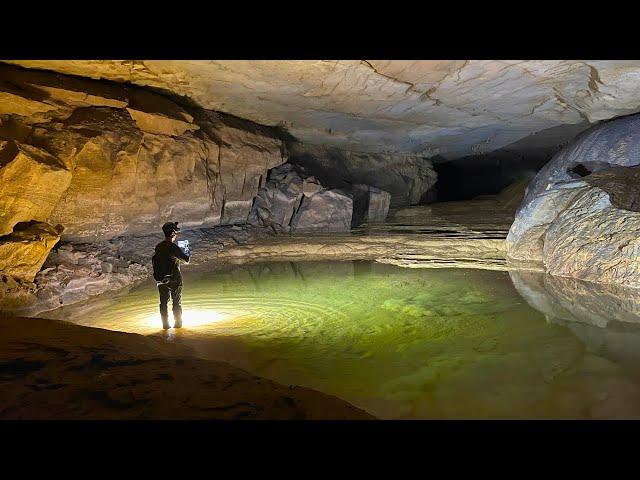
[166, 271]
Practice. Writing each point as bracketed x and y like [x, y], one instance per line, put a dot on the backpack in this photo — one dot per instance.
[161, 268]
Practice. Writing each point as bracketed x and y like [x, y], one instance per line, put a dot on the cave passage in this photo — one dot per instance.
[523, 175]
[399, 343]
[470, 177]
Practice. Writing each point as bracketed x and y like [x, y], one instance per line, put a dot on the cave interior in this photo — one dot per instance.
[361, 211]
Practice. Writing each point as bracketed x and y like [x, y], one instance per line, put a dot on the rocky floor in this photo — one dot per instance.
[56, 370]
[75, 272]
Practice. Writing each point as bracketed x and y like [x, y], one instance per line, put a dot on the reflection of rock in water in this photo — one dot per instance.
[606, 318]
[362, 268]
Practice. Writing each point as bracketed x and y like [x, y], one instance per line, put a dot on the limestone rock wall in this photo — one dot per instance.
[407, 178]
[580, 217]
[32, 183]
[106, 159]
[23, 252]
[453, 108]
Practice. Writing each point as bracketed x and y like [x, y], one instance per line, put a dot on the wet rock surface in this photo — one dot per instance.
[572, 300]
[55, 370]
[468, 234]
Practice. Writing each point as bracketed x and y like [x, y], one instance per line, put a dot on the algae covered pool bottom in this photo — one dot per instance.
[399, 343]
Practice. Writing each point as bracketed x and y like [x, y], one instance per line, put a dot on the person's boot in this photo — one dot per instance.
[164, 314]
[177, 317]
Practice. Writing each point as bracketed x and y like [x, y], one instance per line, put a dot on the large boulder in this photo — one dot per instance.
[407, 178]
[577, 232]
[327, 211]
[292, 201]
[279, 199]
[580, 217]
[613, 143]
[23, 252]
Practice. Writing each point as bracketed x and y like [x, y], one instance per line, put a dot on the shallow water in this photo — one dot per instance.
[400, 343]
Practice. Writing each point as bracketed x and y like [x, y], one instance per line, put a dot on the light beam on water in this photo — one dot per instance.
[400, 343]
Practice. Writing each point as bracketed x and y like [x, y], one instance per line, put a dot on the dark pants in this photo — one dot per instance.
[174, 291]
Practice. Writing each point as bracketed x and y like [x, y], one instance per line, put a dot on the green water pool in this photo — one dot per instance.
[399, 343]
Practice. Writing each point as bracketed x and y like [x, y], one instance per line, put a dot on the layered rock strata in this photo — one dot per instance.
[107, 159]
[412, 250]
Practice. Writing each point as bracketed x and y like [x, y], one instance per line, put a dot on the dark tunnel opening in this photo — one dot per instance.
[473, 176]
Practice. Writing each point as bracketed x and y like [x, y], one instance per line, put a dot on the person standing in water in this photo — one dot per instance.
[166, 271]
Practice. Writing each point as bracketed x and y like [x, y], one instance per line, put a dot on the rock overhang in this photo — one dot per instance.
[451, 108]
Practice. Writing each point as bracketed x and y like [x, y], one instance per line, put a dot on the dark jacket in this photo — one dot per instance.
[170, 253]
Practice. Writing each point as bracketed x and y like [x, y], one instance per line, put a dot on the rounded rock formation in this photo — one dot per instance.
[580, 216]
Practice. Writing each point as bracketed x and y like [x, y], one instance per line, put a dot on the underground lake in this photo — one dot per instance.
[400, 343]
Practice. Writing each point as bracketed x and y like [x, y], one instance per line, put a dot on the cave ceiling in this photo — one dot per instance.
[446, 108]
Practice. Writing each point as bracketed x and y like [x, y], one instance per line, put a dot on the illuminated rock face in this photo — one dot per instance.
[407, 178]
[105, 160]
[32, 183]
[23, 252]
[449, 107]
[581, 215]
